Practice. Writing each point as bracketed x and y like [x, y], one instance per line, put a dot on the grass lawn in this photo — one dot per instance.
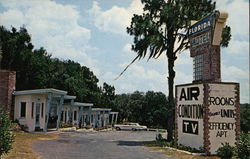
[161, 147]
[22, 145]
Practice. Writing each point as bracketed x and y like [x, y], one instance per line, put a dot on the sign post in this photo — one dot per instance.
[207, 110]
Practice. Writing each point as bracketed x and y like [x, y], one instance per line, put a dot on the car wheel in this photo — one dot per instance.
[133, 129]
[117, 128]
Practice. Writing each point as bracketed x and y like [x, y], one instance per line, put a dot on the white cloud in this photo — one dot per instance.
[238, 16]
[127, 48]
[116, 19]
[184, 58]
[52, 26]
[237, 47]
[235, 74]
[140, 78]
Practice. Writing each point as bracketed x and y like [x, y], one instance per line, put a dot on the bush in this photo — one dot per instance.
[243, 146]
[190, 149]
[66, 125]
[16, 127]
[6, 136]
[226, 151]
[159, 137]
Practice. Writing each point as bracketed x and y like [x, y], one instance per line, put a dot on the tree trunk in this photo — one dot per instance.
[170, 123]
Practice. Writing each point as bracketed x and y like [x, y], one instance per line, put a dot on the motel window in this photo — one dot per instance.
[75, 113]
[23, 110]
[42, 110]
[198, 67]
[32, 110]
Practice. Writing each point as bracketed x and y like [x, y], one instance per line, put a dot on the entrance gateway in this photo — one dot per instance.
[207, 110]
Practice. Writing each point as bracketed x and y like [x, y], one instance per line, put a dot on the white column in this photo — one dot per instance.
[116, 116]
[112, 118]
[47, 112]
[89, 115]
[80, 114]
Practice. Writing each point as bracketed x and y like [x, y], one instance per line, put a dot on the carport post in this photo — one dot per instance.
[112, 118]
[116, 116]
[96, 119]
[80, 117]
[47, 112]
[59, 112]
[103, 119]
[108, 121]
[89, 115]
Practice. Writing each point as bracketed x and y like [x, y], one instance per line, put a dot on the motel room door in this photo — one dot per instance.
[37, 114]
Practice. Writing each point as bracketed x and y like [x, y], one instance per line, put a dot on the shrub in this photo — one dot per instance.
[159, 137]
[6, 136]
[88, 126]
[226, 151]
[243, 146]
[16, 127]
[190, 149]
[66, 125]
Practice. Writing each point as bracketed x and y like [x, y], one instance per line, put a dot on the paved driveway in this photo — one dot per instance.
[98, 145]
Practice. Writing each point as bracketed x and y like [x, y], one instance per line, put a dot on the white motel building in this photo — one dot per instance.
[42, 109]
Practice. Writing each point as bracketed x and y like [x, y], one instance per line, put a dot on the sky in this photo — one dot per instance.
[93, 33]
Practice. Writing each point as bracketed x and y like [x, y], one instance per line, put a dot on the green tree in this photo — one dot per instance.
[146, 108]
[136, 106]
[243, 146]
[156, 109]
[245, 117]
[107, 95]
[6, 136]
[121, 105]
[36, 69]
[162, 29]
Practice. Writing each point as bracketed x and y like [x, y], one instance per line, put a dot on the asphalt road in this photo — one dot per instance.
[98, 145]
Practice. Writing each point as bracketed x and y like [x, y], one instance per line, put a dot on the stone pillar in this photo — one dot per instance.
[7, 86]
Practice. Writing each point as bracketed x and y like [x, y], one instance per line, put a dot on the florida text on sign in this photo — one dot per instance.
[200, 26]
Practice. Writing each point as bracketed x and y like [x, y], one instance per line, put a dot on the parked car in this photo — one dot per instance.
[130, 126]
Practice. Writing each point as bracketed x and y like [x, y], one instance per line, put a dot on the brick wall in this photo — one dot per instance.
[211, 65]
[7, 86]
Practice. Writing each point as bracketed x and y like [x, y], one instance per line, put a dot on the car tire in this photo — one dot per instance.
[117, 128]
[133, 129]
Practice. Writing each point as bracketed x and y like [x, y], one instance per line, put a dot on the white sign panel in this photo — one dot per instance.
[189, 109]
[222, 114]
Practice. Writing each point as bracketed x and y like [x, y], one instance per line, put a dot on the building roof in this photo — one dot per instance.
[101, 109]
[83, 104]
[114, 112]
[69, 97]
[78, 104]
[40, 91]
